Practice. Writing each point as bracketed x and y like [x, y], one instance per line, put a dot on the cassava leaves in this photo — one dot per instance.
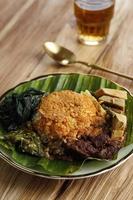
[16, 109]
[25, 141]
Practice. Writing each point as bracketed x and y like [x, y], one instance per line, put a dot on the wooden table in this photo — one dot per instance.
[24, 26]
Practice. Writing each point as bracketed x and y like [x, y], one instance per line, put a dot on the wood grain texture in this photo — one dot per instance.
[24, 26]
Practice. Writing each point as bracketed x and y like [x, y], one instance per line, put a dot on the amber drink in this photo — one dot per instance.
[93, 20]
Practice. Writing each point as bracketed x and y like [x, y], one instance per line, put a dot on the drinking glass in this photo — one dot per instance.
[93, 20]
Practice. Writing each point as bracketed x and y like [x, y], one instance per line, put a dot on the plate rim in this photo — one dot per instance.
[27, 170]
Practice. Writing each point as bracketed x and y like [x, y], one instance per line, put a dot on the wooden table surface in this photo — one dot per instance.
[24, 26]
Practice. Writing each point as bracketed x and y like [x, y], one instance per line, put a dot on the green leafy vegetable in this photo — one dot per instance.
[16, 109]
[25, 141]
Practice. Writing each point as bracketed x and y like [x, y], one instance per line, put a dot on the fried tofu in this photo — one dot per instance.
[111, 92]
[118, 126]
[113, 102]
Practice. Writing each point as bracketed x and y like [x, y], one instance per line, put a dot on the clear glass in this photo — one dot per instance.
[93, 20]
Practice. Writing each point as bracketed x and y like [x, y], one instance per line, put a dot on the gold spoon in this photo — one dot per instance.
[64, 57]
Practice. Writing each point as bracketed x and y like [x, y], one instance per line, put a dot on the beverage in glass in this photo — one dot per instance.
[93, 20]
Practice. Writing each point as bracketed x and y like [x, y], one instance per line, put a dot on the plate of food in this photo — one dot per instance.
[66, 126]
